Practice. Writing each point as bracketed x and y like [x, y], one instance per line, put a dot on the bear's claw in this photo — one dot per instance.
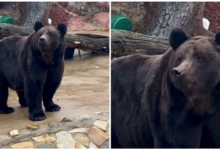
[53, 108]
[38, 117]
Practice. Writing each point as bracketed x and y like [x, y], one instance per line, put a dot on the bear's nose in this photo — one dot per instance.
[177, 72]
[42, 40]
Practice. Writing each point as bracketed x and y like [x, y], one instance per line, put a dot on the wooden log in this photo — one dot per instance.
[127, 43]
[136, 43]
[88, 42]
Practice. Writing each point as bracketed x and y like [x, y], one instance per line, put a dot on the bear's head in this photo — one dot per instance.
[47, 39]
[194, 69]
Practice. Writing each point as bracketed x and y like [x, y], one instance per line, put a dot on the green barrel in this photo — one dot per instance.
[120, 21]
[6, 19]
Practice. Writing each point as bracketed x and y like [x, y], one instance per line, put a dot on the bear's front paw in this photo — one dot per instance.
[38, 117]
[53, 107]
[6, 110]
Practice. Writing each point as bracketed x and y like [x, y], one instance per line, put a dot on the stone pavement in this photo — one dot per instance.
[83, 132]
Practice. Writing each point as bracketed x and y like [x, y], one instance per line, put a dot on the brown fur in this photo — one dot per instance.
[155, 107]
[33, 67]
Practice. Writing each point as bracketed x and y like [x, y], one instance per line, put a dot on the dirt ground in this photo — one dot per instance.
[84, 89]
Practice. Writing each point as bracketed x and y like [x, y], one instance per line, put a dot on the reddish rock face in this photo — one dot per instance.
[101, 5]
[212, 13]
[74, 22]
[64, 4]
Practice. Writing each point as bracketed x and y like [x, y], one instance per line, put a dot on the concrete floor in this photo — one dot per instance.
[84, 89]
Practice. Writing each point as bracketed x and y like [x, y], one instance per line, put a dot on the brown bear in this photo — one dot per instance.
[169, 100]
[32, 66]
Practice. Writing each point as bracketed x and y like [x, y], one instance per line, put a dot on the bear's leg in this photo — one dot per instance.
[21, 97]
[33, 94]
[34, 81]
[54, 77]
[49, 91]
[4, 109]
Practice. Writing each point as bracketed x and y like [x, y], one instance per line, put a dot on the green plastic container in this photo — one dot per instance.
[120, 21]
[6, 19]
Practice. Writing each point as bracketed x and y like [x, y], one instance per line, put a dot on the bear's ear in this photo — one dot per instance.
[217, 38]
[62, 28]
[177, 37]
[37, 25]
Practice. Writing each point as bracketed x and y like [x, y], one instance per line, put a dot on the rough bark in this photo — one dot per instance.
[185, 15]
[88, 42]
[36, 11]
[125, 42]
[160, 21]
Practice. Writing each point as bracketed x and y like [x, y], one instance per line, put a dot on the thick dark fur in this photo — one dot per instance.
[33, 66]
[152, 109]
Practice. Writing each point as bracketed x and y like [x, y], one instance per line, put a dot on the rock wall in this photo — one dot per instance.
[77, 15]
[14, 9]
[212, 13]
[88, 6]
[79, 20]
[135, 11]
[140, 13]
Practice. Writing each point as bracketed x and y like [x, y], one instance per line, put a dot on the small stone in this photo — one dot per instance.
[22, 145]
[32, 127]
[46, 145]
[96, 67]
[14, 133]
[98, 136]
[66, 120]
[82, 139]
[79, 130]
[65, 140]
[44, 138]
[83, 117]
[79, 146]
[53, 125]
[92, 146]
[101, 124]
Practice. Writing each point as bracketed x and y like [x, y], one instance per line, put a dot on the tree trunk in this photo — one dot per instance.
[185, 15]
[36, 11]
[161, 20]
[88, 41]
[127, 43]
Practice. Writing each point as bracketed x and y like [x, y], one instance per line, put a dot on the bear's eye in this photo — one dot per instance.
[200, 59]
[179, 59]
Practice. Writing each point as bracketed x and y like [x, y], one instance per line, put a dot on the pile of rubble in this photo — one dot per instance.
[86, 131]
